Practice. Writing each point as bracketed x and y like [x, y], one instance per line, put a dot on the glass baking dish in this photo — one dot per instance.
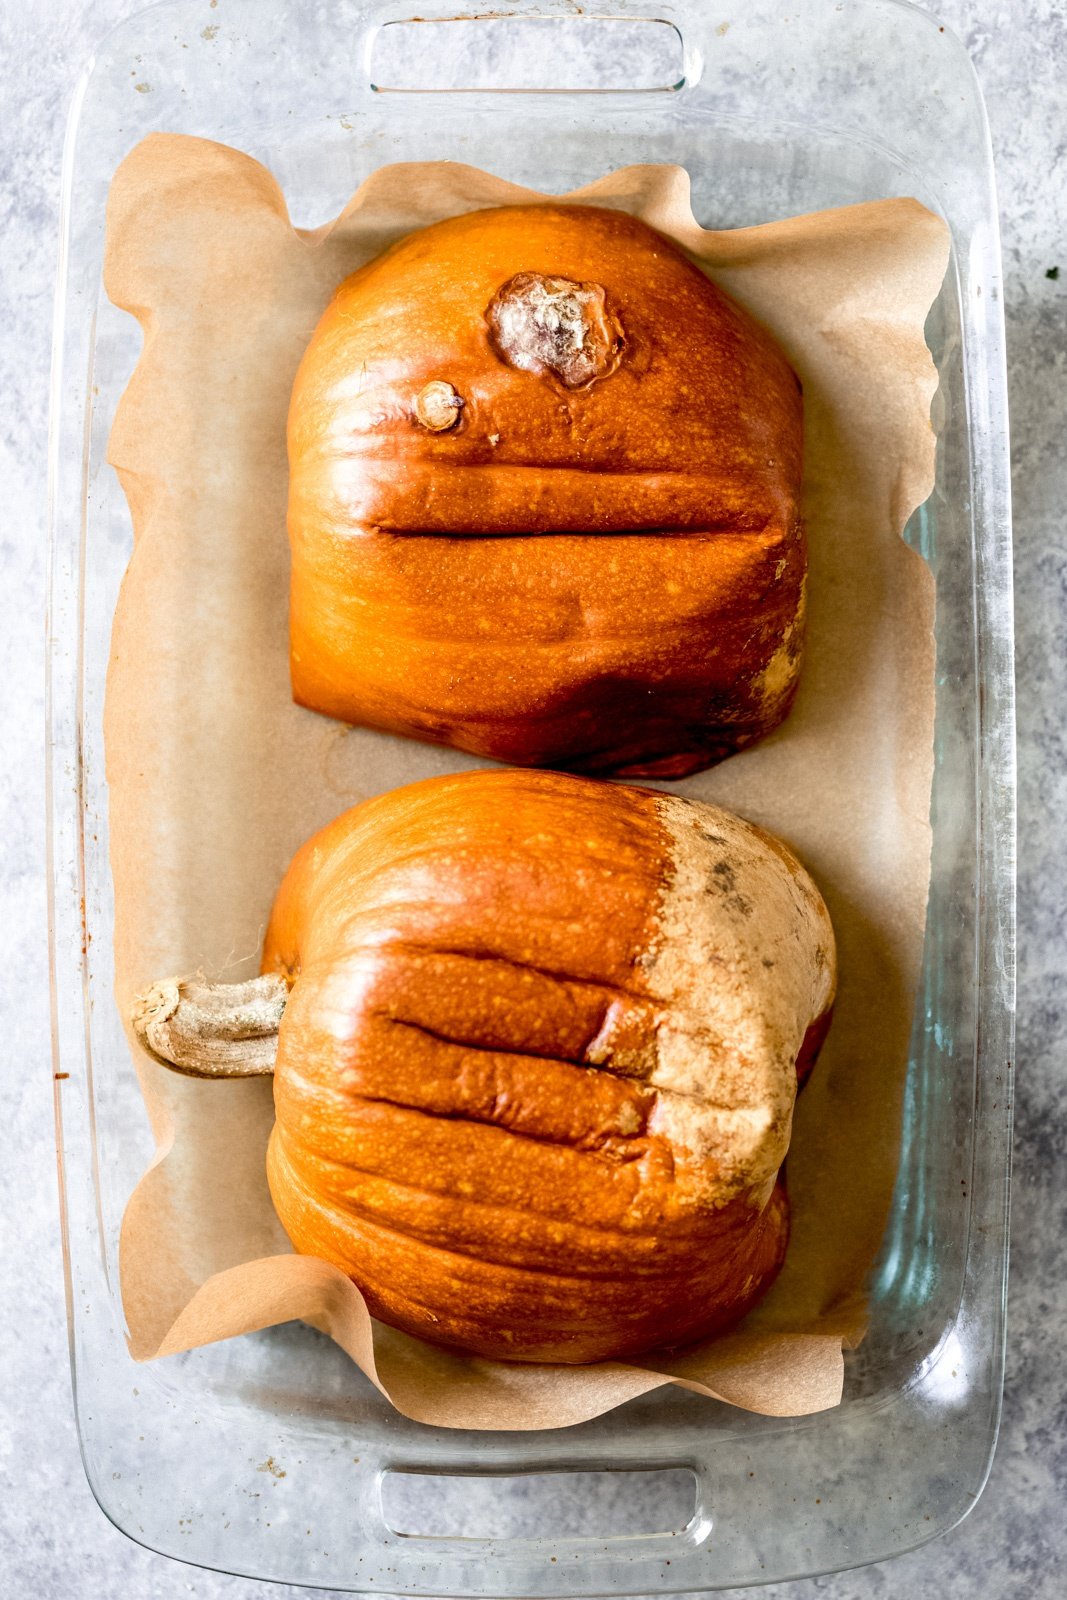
[271, 1455]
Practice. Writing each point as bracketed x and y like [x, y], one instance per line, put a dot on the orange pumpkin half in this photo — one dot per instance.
[544, 499]
[536, 1072]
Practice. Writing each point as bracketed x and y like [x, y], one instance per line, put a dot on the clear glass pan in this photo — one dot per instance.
[270, 1455]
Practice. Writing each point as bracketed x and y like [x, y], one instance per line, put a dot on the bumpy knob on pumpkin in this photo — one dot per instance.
[438, 406]
[554, 325]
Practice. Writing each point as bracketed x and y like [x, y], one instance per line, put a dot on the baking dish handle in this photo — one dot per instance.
[543, 48]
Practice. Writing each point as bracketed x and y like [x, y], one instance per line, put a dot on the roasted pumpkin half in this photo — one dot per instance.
[545, 499]
[537, 1062]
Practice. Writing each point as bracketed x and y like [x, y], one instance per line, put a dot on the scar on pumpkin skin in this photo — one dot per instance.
[212, 1030]
[555, 325]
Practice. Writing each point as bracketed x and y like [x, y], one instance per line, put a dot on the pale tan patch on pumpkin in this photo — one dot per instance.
[741, 962]
[776, 681]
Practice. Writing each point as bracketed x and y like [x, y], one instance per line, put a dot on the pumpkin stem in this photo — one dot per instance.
[212, 1030]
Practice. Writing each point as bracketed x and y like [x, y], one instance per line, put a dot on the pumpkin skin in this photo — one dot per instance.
[605, 576]
[536, 1073]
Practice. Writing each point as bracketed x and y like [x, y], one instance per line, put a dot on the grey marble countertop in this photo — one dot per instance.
[53, 1539]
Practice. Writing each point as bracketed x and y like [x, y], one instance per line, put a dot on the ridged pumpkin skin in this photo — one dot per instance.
[608, 576]
[536, 1074]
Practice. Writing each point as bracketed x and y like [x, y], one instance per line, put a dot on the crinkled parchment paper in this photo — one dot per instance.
[216, 777]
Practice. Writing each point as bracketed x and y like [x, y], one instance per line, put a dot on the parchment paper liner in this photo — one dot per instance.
[216, 777]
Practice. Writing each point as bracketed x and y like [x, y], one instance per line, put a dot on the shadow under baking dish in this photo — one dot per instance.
[271, 1455]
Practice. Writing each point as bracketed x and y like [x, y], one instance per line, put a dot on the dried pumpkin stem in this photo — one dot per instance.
[212, 1030]
[438, 406]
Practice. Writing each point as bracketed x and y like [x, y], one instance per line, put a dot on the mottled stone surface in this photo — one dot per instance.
[53, 1540]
